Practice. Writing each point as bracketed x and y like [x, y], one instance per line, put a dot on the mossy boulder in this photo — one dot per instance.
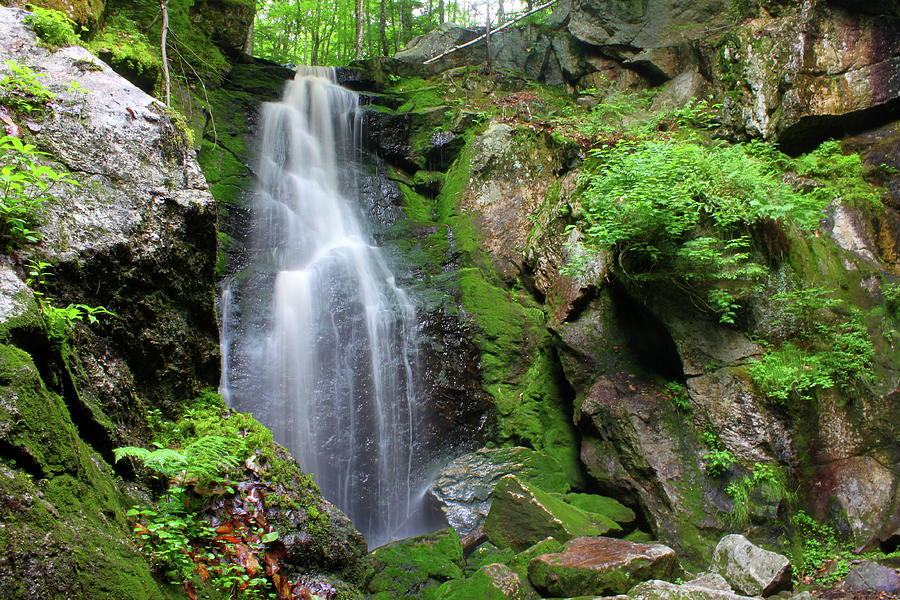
[522, 515]
[602, 505]
[414, 568]
[600, 565]
[490, 582]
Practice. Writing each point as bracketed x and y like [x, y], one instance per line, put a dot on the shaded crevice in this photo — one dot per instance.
[581, 304]
[647, 340]
[890, 545]
[21, 460]
[55, 374]
[809, 132]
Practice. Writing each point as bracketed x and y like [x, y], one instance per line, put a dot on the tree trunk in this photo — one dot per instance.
[441, 15]
[382, 29]
[164, 32]
[360, 27]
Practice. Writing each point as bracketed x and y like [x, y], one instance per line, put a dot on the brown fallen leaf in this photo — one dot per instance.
[190, 590]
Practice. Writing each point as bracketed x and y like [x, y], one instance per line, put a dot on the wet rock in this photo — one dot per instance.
[521, 515]
[388, 135]
[750, 569]
[465, 487]
[712, 581]
[442, 150]
[600, 565]
[872, 576]
[490, 582]
[405, 568]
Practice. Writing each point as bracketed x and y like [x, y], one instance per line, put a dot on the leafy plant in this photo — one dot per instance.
[679, 395]
[830, 347]
[21, 91]
[767, 480]
[53, 28]
[59, 321]
[202, 462]
[718, 462]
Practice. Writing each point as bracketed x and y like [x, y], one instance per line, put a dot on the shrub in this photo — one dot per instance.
[25, 186]
[21, 91]
[53, 28]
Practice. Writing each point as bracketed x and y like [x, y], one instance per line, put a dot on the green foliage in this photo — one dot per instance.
[679, 396]
[25, 186]
[204, 460]
[838, 175]
[766, 480]
[718, 462]
[891, 294]
[830, 347]
[59, 322]
[647, 201]
[53, 28]
[815, 543]
[21, 91]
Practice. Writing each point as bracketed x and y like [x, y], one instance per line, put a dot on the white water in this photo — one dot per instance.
[318, 340]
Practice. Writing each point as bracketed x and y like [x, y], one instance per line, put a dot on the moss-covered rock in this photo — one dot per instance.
[490, 582]
[414, 568]
[522, 515]
[63, 530]
[600, 566]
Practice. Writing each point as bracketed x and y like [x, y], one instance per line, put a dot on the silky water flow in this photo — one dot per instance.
[318, 341]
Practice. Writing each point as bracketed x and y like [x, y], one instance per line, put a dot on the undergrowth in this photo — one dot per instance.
[53, 28]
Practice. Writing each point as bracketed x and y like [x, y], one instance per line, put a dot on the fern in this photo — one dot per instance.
[204, 460]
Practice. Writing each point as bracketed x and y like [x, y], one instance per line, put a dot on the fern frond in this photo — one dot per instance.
[131, 452]
[207, 457]
[166, 461]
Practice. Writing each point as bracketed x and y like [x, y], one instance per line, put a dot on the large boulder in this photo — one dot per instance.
[750, 569]
[522, 514]
[872, 576]
[600, 565]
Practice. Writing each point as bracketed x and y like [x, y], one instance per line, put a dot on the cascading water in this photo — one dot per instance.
[318, 340]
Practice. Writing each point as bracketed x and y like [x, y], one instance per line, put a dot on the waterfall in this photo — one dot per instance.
[318, 340]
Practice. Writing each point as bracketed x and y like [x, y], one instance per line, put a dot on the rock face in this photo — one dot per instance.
[465, 487]
[749, 569]
[600, 566]
[663, 590]
[138, 237]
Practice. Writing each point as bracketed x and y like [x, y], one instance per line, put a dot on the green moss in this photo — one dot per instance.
[62, 512]
[602, 505]
[487, 554]
[417, 206]
[413, 568]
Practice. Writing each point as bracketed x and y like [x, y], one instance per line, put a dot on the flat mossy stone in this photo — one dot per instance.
[486, 554]
[490, 582]
[519, 563]
[522, 514]
[414, 567]
[602, 505]
[600, 566]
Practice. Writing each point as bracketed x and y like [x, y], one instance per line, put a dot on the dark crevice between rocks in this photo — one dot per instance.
[526, 277]
[21, 460]
[648, 341]
[580, 304]
[806, 135]
[55, 374]
[890, 545]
